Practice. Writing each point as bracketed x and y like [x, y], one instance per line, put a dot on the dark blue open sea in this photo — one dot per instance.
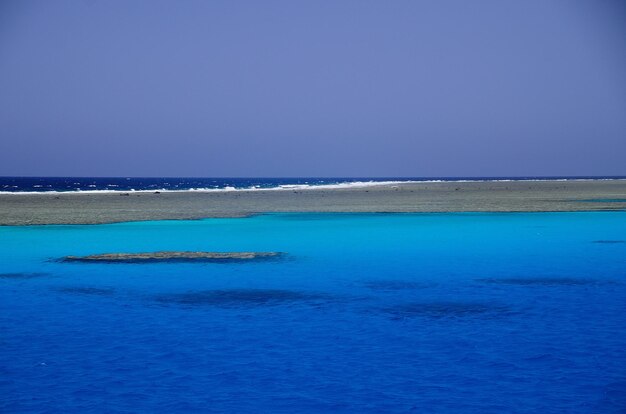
[367, 313]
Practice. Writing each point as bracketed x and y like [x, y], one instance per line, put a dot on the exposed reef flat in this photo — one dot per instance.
[172, 257]
[488, 196]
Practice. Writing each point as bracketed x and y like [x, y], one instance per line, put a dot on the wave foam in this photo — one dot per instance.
[282, 187]
[294, 187]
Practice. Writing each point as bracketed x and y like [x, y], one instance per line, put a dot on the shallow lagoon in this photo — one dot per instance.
[438, 313]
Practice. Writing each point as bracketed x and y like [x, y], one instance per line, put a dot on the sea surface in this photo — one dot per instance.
[125, 184]
[365, 313]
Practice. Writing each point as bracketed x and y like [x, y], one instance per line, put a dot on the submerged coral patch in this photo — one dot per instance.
[78, 290]
[22, 275]
[240, 297]
[542, 281]
[444, 309]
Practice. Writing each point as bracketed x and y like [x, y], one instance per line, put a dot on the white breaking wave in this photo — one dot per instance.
[283, 187]
[297, 187]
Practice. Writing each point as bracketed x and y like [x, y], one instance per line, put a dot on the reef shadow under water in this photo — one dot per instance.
[446, 309]
[241, 297]
[544, 281]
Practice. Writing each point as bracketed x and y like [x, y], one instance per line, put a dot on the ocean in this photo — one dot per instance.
[365, 313]
[126, 184]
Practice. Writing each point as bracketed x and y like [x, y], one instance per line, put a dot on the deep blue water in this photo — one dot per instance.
[46, 184]
[368, 313]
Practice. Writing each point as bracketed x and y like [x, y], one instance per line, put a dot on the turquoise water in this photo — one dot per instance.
[604, 200]
[385, 313]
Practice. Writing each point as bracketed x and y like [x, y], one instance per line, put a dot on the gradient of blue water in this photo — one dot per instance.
[436, 313]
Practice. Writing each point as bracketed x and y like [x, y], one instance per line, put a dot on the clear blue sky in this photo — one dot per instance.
[315, 88]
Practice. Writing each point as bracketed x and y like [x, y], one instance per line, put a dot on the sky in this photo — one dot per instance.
[294, 88]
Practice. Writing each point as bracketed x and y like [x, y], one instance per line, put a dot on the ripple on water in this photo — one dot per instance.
[609, 241]
[445, 310]
[542, 281]
[78, 290]
[22, 275]
[240, 297]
